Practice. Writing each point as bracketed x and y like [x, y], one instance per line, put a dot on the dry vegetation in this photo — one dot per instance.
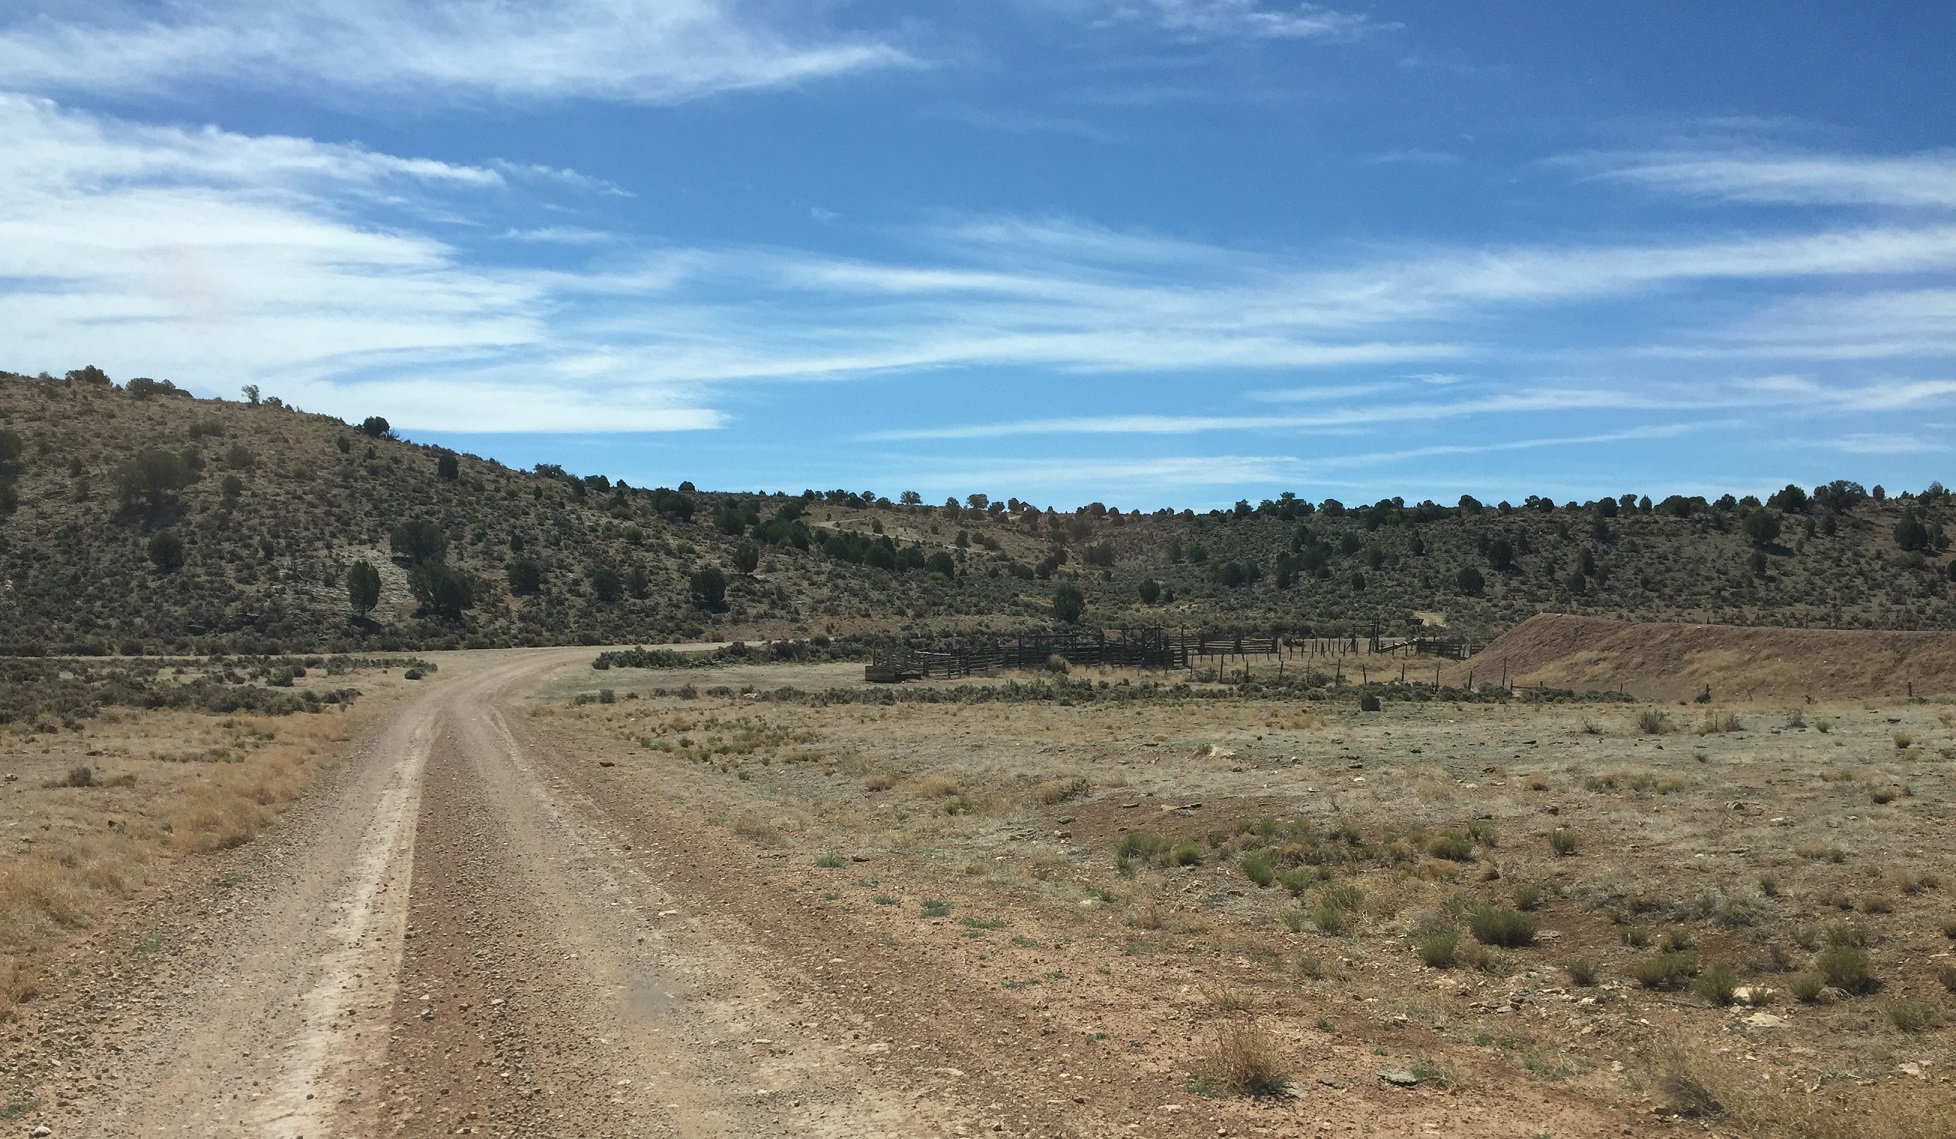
[1715, 919]
[94, 811]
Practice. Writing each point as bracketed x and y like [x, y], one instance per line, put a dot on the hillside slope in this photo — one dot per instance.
[1665, 661]
[267, 508]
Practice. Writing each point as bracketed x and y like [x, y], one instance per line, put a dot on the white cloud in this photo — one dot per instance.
[219, 259]
[1871, 443]
[645, 51]
[1882, 324]
[1244, 19]
[1927, 179]
[1369, 413]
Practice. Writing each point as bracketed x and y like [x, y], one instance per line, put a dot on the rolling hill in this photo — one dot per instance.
[136, 519]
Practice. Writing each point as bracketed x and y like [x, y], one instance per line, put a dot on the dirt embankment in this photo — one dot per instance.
[1662, 661]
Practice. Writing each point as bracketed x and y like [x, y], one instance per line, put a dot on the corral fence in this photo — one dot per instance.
[1148, 647]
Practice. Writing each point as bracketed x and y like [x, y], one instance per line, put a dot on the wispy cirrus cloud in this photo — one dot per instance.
[1361, 413]
[638, 51]
[1245, 19]
[1789, 177]
[219, 258]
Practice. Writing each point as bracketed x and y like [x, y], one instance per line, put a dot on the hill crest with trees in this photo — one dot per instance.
[137, 519]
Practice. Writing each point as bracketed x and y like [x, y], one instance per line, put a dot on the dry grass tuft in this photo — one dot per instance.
[935, 786]
[1243, 1062]
[1060, 790]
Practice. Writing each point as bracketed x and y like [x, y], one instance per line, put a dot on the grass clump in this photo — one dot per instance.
[936, 908]
[1138, 847]
[1529, 896]
[1583, 972]
[1845, 967]
[1185, 854]
[1330, 919]
[1439, 950]
[1652, 722]
[1509, 929]
[1913, 1017]
[1719, 984]
[1257, 869]
[1452, 846]
[1807, 987]
[1243, 1062]
[1665, 970]
[1562, 841]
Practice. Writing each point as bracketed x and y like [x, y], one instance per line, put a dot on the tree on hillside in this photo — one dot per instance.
[1150, 591]
[709, 588]
[362, 587]
[166, 551]
[1761, 527]
[525, 577]
[446, 466]
[1501, 554]
[607, 584]
[419, 541]
[12, 447]
[151, 478]
[377, 427]
[1068, 603]
[441, 589]
[1911, 533]
[1470, 582]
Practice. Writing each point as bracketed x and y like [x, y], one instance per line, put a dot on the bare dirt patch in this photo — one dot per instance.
[1659, 661]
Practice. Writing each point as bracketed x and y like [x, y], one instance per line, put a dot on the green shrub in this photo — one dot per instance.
[1257, 869]
[1297, 881]
[1452, 846]
[525, 577]
[1529, 896]
[166, 551]
[1330, 919]
[1845, 967]
[1719, 984]
[1185, 854]
[1806, 987]
[1562, 841]
[709, 588]
[1439, 950]
[1138, 846]
[1665, 970]
[1583, 972]
[1509, 929]
[418, 541]
[1345, 897]
[1913, 1017]
[362, 586]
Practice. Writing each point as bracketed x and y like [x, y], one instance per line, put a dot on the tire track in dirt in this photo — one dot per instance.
[551, 986]
[282, 1036]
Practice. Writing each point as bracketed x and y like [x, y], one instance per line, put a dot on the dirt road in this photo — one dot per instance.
[442, 941]
[494, 920]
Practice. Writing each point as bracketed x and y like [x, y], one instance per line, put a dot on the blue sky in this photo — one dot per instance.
[1147, 252]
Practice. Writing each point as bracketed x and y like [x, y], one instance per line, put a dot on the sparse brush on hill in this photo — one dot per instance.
[136, 519]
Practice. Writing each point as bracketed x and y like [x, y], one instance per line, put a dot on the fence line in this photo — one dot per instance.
[1148, 647]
